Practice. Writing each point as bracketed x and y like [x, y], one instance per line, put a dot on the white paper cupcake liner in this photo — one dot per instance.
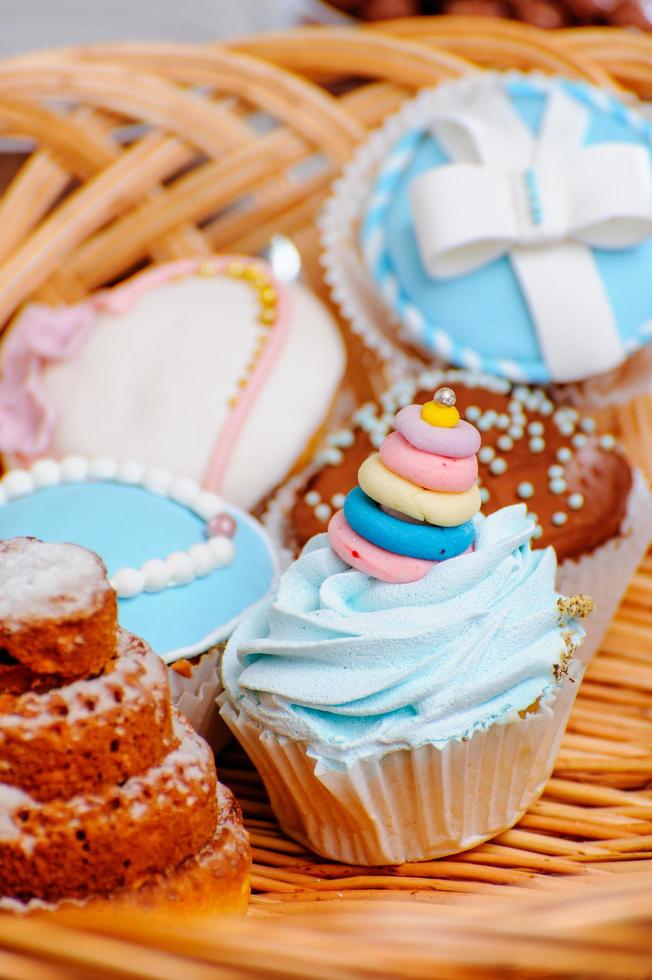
[195, 696]
[605, 573]
[359, 299]
[410, 805]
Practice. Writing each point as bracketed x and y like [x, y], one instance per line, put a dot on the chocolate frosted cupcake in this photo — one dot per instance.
[584, 497]
[404, 693]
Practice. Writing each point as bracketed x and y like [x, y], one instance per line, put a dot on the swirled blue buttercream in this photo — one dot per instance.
[355, 667]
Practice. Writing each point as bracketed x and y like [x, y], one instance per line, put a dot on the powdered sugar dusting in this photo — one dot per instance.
[11, 800]
[136, 669]
[42, 580]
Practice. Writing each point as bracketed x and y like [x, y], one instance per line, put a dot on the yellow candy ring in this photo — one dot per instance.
[441, 411]
[390, 490]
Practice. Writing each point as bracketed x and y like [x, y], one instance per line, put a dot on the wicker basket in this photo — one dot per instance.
[120, 156]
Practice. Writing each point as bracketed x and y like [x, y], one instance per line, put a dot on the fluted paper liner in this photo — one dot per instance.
[410, 804]
[605, 573]
[195, 696]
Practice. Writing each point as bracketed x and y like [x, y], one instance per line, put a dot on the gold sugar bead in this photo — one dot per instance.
[236, 269]
[574, 606]
[268, 296]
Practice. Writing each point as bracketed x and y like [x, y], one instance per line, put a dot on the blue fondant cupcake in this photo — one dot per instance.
[503, 222]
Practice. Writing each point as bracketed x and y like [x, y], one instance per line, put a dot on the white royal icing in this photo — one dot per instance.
[158, 573]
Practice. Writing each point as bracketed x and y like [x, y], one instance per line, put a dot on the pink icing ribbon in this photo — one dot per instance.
[42, 334]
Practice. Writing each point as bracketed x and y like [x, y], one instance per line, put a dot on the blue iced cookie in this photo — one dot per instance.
[186, 566]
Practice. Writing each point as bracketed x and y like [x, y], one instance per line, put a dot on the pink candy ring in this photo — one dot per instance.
[461, 440]
[428, 470]
[372, 560]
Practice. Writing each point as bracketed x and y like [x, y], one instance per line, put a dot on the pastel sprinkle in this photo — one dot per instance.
[504, 443]
[516, 432]
[484, 495]
[546, 407]
[588, 425]
[558, 486]
[343, 439]
[503, 421]
[498, 466]
[579, 440]
[608, 441]
[322, 512]
[559, 518]
[535, 428]
[473, 413]
[566, 428]
[564, 454]
[575, 501]
[538, 531]
[525, 490]
[337, 500]
[333, 456]
[534, 400]
[555, 471]
[537, 445]
[312, 498]
[486, 454]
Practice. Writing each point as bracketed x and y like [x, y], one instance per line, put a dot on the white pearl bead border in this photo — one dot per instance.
[157, 574]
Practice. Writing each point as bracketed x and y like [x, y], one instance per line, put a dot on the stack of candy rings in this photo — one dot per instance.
[416, 497]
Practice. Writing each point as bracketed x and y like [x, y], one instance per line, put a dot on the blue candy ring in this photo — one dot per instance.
[424, 541]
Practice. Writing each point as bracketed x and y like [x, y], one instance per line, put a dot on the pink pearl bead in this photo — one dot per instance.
[221, 526]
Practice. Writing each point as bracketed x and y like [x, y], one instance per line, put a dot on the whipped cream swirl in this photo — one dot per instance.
[356, 667]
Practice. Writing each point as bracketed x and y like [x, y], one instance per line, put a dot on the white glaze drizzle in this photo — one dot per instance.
[156, 574]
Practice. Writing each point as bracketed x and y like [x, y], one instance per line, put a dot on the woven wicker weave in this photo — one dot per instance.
[143, 153]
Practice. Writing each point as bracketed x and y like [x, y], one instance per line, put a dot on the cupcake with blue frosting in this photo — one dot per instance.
[404, 693]
[503, 222]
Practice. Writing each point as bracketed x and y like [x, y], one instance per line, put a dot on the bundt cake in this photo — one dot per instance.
[106, 793]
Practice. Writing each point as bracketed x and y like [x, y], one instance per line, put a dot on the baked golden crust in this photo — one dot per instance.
[89, 733]
[66, 623]
[108, 798]
[100, 843]
[214, 881]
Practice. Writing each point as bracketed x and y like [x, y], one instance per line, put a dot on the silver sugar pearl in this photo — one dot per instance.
[445, 396]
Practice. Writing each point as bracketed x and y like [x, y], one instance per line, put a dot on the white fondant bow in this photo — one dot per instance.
[544, 201]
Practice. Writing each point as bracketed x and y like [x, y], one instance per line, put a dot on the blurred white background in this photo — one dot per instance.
[30, 24]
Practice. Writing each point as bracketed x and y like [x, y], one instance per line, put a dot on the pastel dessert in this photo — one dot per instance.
[184, 565]
[196, 365]
[416, 499]
[107, 796]
[503, 222]
[585, 498]
[404, 693]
